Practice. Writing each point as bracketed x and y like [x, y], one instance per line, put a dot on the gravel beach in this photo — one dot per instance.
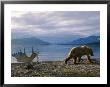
[56, 69]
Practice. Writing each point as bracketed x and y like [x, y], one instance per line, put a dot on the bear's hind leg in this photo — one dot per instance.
[88, 59]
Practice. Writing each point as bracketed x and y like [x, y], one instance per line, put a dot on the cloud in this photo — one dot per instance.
[55, 24]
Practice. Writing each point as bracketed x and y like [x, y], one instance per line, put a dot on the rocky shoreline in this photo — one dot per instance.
[56, 69]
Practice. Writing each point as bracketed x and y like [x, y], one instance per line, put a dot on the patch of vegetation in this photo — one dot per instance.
[55, 69]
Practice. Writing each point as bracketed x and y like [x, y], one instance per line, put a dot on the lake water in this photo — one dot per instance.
[51, 52]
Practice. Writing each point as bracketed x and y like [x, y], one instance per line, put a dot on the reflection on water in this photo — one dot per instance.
[52, 52]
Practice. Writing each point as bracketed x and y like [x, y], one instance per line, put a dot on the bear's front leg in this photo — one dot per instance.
[68, 58]
[74, 60]
[78, 59]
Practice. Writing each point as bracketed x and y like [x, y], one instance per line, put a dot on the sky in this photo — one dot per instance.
[55, 26]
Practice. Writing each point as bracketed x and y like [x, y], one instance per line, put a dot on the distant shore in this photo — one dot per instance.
[57, 69]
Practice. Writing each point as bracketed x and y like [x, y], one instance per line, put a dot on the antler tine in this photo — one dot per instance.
[24, 50]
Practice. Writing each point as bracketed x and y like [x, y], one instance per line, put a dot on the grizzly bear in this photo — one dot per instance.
[77, 52]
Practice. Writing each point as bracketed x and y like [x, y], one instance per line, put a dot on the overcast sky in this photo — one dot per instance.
[55, 26]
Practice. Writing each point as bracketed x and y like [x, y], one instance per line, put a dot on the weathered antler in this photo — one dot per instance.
[22, 57]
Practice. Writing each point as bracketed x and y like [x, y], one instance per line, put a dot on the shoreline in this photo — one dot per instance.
[57, 69]
[94, 59]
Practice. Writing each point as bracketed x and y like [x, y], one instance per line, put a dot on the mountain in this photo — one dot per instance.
[87, 40]
[29, 41]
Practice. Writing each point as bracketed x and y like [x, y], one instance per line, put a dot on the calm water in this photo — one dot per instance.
[52, 52]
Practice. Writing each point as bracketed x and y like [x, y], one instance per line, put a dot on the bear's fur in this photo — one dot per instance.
[77, 52]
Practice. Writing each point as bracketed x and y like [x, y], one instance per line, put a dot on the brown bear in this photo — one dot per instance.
[77, 52]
